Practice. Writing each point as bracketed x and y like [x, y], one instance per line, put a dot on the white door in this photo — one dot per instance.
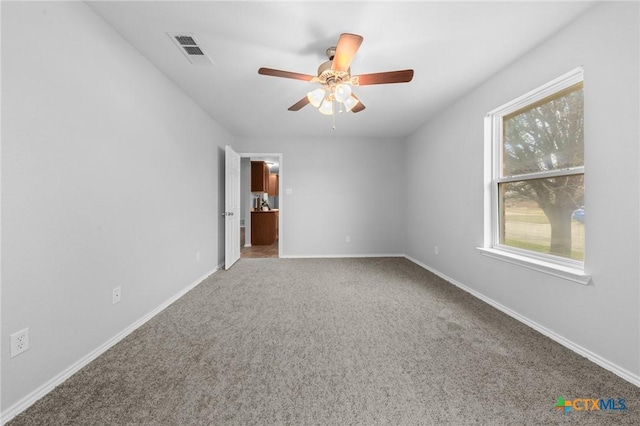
[231, 207]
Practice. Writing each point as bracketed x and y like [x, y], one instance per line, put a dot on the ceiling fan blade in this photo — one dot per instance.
[403, 76]
[298, 105]
[348, 45]
[359, 106]
[285, 74]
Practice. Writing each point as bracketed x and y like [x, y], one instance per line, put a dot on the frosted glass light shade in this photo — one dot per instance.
[315, 97]
[342, 92]
[326, 108]
[351, 102]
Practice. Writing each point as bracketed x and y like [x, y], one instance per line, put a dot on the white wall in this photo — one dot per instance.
[341, 187]
[445, 164]
[110, 177]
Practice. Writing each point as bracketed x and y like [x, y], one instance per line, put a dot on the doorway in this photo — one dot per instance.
[261, 206]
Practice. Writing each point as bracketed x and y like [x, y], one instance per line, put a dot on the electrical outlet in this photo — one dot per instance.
[347, 239]
[436, 250]
[117, 293]
[19, 342]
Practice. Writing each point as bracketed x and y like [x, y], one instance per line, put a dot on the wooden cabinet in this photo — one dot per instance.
[273, 185]
[262, 180]
[259, 176]
[264, 227]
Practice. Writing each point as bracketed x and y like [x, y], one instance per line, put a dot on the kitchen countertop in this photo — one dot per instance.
[265, 211]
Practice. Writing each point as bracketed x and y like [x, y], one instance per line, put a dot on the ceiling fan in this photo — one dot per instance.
[336, 81]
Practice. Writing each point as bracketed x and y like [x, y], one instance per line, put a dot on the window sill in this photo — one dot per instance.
[549, 268]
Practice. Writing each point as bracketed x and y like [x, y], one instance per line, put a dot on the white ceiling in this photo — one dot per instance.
[452, 46]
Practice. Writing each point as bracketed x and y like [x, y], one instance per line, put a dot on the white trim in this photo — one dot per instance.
[580, 350]
[489, 209]
[542, 175]
[572, 77]
[550, 268]
[339, 256]
[34, 396]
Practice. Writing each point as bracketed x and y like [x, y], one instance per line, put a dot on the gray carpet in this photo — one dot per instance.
[332, 342]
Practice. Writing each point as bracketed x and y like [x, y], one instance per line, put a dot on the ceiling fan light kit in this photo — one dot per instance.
[336, 81]
[342, 92]
[326, 107]
[350, 103]
[316, 97]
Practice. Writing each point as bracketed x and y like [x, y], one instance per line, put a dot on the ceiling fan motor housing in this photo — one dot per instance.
[329, 76]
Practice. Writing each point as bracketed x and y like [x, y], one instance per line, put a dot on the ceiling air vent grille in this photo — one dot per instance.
[189, 46]
[193, 50]
[186, 40]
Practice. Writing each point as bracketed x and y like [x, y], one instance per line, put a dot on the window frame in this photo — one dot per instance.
[570, 269]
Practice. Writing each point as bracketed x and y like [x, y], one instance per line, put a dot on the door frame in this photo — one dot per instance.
[279, 156]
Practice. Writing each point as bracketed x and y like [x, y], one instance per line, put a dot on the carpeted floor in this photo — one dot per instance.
[332, 342]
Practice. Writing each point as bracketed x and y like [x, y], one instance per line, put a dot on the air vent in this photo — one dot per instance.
[186, 40]
[189, 46]
[193, 50]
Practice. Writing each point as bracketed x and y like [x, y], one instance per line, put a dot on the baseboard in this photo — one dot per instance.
[591, 356]
[337, 256]
[30, 399]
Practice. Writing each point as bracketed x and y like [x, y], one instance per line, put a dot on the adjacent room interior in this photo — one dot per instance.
[260, 207]
[390, 252]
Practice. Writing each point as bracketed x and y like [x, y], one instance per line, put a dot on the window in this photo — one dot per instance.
[536, 187]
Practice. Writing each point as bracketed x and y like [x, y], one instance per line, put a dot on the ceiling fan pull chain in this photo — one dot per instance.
[333, 117]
